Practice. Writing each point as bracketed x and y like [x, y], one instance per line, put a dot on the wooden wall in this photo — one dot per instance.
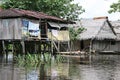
[80, 45]
[10, 28]
[106, 45]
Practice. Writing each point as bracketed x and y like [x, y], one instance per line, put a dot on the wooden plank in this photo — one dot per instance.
[10, 29]
[73, 53]
[17, 29]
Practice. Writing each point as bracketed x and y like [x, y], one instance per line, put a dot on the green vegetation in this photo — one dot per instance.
[75, 32]
[74, 35]
[61, 8]
[35, 60]
[115, 7]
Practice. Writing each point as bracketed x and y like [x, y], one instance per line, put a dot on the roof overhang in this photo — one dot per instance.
[57, 25]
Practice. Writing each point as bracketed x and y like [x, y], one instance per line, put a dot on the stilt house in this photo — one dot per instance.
[28, 27]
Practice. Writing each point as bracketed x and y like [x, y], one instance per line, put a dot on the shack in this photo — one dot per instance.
[28, 30]
[98, 36]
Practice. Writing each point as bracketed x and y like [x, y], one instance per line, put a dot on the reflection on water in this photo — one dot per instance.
[102, 67]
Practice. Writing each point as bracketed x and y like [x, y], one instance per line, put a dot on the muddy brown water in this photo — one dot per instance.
[101, 67]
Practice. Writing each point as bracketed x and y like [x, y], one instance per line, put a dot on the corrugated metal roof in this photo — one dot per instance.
[96, 29]
[26, 13]
[53, 24]
[58, 25]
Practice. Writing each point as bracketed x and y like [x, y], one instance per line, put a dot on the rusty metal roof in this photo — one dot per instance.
[13, 13]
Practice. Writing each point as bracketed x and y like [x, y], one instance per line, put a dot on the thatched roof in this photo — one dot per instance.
[99, 29]
[116, 26]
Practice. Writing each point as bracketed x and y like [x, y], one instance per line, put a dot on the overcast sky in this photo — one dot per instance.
[96, 8]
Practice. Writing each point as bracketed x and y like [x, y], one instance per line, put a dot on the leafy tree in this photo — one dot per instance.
[115, 7]
[61, 8]
[75, 32]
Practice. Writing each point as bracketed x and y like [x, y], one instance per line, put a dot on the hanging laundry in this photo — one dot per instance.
[33, 29]
[25, 23]
[55, 33]
[33, 26]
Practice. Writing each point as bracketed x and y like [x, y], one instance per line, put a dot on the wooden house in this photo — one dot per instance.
[98, 35]
[25, 27]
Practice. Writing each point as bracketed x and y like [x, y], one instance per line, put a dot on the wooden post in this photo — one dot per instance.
[23, 46]
[7, 47]
[3, 45]
[69, 46]
[1, 48]
[58, 46]
[13, 47]
[51, 44]
[40, 47]
[36, 47]
[44, 47]
[90, 50]
[4, 50]
[52, 47]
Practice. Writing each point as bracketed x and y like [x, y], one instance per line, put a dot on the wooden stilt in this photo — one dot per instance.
[44, 45]
[3, 45]
[1, 48]
[7, 44]
[23, 46]
[58, 46]
[27, 48]
[69, 49]
[36, 47]
[13, 47]
[48, 47]
[4, 51]
[40, 48]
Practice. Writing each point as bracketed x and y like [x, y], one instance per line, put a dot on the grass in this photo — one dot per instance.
[34, 60]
